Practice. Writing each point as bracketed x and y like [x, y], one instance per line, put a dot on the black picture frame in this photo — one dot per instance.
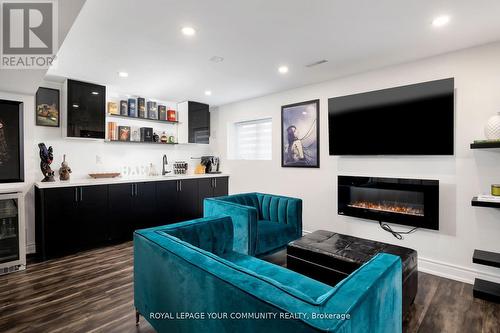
[11, 141]
[47, 107]
[304, 117]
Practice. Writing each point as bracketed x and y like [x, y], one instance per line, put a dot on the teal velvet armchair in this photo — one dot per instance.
[263, 223]
[190, 269]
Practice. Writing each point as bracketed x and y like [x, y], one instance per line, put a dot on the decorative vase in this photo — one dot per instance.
[492, 128]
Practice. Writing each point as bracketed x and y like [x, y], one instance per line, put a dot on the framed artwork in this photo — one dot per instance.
[300, 135]
[11, 142]
[47, 107]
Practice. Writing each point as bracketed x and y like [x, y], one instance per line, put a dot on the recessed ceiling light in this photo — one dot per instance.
[208, 92]
[95, 93]
[122, 74]
[188, 31]
[441, 21]
[283, 69]
[216, 59]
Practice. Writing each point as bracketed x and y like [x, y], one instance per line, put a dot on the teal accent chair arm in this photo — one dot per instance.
[244, 221]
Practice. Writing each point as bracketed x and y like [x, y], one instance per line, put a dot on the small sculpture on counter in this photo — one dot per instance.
[46, 157]
[156, 137]
[64, 170]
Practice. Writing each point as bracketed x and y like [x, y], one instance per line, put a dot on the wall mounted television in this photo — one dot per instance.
[416, 119]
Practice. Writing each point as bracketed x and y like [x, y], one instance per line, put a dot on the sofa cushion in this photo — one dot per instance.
[296, 284]
[273, 235]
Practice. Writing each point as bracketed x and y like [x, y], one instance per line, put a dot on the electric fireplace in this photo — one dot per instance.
[412, 202]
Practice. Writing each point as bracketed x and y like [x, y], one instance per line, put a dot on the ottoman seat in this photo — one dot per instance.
[330, 257]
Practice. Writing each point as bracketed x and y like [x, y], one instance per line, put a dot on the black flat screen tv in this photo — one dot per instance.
[416, 119]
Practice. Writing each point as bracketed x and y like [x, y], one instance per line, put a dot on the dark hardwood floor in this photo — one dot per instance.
[93, 292]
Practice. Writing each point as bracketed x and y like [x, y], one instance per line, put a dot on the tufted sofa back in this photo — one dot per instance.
[269, 206]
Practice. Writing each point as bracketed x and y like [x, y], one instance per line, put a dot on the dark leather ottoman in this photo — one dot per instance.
[330, 257]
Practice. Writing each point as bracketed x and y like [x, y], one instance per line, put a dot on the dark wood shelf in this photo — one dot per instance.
[144, 142]
[143, 119]
[479, 203]
[486, 258]
[487, 290]
[485, 145]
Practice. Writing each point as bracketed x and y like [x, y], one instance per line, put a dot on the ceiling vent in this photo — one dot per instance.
[316, 63]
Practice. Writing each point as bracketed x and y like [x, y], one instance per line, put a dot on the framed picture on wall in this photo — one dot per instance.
[11, 142]
[47, 107]
[300, 135]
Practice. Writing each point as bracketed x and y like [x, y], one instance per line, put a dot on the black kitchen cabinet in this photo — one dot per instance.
[86, 110]
[69, 219]
[211, 187]
[144, 205]
[74, 218]
[187, 199]
[166, 202]
[92, 206]
[131, 206]
[198, 123]
[120, 212]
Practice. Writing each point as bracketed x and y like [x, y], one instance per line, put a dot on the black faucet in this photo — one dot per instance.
[165, 163]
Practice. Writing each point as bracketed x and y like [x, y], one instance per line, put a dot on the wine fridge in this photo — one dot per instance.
[12, 233]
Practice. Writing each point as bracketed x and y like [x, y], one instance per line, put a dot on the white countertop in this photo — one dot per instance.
[120, 180]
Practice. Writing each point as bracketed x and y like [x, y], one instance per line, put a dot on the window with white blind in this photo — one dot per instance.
[252, 140]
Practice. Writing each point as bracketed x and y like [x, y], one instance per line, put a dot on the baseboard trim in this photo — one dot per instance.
[454, 272]
[450, 271]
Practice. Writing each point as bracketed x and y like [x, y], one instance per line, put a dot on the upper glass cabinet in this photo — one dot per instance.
[86, 110]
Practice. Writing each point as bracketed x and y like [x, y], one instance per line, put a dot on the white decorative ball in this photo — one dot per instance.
[492, 128]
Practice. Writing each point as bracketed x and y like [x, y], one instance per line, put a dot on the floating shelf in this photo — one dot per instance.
[143, 142]
[143, 119]
[486, 258]
[485, 145]
[487, 290]
[479, 203]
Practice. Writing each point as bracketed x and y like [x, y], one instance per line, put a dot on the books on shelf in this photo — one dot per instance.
[162, 112]
[152, 110]
[132, 109]
[488, 198]
[141, 107]
[124, 133]
[112, 131]
[113, 108]
[135, 134]
[123, 108]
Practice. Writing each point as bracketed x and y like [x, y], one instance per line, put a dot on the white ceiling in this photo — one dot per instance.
[255, 37]
[24, 81]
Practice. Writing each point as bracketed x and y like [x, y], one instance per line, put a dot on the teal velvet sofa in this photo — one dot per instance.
[188, 278]
[263, 223]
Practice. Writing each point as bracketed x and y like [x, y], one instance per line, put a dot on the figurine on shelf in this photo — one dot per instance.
[164, 138]
[64, 170]
[46, 157]
[156, 137]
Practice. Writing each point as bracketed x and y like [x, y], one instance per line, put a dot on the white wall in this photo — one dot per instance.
[86, 156]
[463, 228]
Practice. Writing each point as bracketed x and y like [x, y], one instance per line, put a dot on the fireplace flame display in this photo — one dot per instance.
[389, 207]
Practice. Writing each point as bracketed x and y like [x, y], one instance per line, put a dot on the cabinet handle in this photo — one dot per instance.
[215, 182]
[135, 189]
[76, 194]
[81, 193]
[180, 185]
[132, 188]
